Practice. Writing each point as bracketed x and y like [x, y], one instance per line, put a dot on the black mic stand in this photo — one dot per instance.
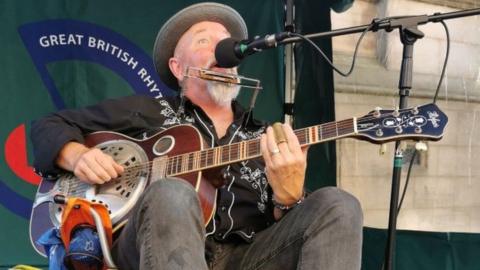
[409, 34]
[289, 64]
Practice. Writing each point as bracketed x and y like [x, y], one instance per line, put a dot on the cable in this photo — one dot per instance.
[447, 53]
[325, 56]
[445, 62]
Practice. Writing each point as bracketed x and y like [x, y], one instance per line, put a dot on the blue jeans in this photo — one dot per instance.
[166, 232]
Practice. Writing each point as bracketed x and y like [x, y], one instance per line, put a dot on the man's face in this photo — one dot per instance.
[196, 48]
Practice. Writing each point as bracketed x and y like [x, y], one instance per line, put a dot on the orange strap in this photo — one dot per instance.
[77, 212]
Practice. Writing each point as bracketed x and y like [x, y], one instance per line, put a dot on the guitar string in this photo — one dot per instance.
[176, 167]
[175, 164]
[325, 129]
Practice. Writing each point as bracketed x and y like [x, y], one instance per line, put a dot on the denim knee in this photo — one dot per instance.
[170, 198]
[340, 206]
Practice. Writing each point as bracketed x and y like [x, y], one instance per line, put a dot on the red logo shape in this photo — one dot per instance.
[16, 156]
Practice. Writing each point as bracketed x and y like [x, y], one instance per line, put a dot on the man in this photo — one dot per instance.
[262, 221]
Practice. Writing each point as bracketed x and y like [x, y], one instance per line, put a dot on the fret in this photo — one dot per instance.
[224, 152]
[336, 128]
[243, 147]
[252, 148]
[235, 151]
[240, 150]
[308, 135]
[172, 163]
[191, 161]
[210, 157]
[178, 165]
[184, 163]
[320, 132]
[354, 123]
[203, 159]
[197, 160]
[172, 168]
[167, 168]
[315, 132]
[216, 155]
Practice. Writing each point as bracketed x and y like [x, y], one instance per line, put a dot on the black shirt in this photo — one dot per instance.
[243, 204]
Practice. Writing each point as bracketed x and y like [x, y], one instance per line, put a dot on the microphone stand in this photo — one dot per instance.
[289, 63]
[409, 34]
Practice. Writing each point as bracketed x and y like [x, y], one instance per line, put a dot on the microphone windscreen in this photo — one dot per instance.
[225, 53]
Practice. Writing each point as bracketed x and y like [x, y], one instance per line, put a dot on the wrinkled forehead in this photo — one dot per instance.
[205, 27]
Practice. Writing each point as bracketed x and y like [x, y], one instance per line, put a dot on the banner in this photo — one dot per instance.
[60, 54]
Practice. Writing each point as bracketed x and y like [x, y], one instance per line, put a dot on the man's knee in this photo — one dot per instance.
[170, 191]
[338, 205]
[170, 197]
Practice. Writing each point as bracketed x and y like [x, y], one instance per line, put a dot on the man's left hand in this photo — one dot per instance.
[286, 163]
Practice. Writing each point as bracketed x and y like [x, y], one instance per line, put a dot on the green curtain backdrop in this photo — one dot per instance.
[314, 99]
[423, 250]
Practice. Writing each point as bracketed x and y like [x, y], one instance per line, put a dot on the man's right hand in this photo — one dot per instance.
[90, 165]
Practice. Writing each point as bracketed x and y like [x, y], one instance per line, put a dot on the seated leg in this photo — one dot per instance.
[165, 230]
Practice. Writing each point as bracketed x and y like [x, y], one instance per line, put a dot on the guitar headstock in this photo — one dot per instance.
[426, 122]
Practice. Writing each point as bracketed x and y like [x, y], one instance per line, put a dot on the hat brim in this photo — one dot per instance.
[178, 24]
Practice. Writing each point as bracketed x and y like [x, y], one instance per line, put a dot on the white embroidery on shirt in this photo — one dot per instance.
[258, 181]
[247, 135]
[171, 117]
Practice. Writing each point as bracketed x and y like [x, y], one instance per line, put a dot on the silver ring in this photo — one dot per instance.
[275, 151]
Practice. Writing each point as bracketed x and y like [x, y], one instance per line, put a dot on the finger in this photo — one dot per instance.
[265, 151]
[278, 133]
[96, 168]
[107, 163]
[282, 141]
[272, 146]
[89, 174]
[305, 150]
[293, 143]
[118, 168]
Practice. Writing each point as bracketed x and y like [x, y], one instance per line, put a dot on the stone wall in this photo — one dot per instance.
[444, 189]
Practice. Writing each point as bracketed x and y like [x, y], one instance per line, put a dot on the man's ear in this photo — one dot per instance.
[175, 68]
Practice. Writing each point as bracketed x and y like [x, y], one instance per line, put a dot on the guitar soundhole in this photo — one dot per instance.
[163, 145]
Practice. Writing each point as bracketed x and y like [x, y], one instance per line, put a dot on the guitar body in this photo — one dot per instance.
[121, 194]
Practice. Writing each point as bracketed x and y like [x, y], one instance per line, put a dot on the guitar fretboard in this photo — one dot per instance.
[236, 152]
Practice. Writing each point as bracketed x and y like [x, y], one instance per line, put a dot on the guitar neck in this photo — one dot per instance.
[245, 150]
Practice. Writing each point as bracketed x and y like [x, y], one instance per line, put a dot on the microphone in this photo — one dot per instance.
[230, 52]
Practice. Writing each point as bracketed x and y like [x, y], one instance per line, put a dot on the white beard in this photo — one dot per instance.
[222, 93]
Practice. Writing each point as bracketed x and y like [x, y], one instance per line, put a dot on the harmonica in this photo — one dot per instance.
[228, 78]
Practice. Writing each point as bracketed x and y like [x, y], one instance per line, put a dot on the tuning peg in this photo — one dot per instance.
[415, 110]
[396, 113]
[421, 146]
[383, 149]
[403, 146]
[376, 111]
